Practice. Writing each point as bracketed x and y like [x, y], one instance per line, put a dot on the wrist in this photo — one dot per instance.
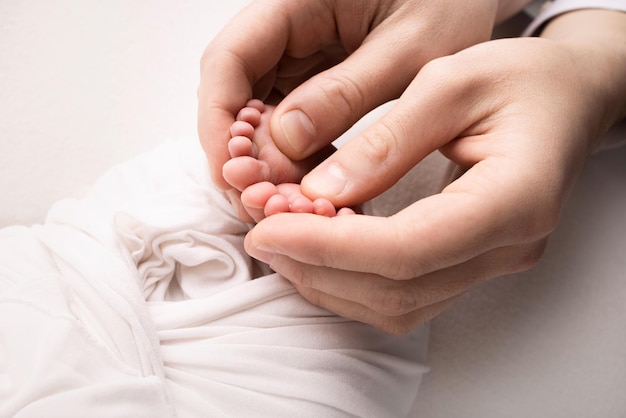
[595, 38]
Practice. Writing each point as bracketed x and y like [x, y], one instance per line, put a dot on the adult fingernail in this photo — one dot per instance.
[298, 129]
[264, 247]
[261, 248]
[327, 180]
[260, 254]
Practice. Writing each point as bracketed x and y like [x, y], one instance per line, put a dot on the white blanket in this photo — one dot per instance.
[139, 301]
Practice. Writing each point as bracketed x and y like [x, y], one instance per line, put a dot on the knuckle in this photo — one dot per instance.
[379, 143]
[300, 277]
[531, 256]
[544, 218]
[398, 299]
[551, 217]
[542, 222]
[440, 70]
[311, 295]
[344, 93]
[401, 270]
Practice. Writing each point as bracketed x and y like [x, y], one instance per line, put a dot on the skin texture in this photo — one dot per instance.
[521, 115]
[255, 161]
[331, 58]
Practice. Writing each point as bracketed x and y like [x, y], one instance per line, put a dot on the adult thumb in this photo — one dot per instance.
[437, 106]
[322, 108]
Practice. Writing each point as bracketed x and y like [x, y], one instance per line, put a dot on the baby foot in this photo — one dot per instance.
[254, 156]
[265, 199]
[265, 176]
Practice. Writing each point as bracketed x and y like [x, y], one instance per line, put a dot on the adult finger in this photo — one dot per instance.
[319, 110]
[396, 325]
[439, 104]
[485, 209]
[399, 297]
[397, 307]
[386, 49]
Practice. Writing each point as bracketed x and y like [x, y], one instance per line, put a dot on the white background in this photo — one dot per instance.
[85, 84]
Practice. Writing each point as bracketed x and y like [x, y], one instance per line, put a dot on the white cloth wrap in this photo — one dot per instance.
[139, 300]
[553, 8]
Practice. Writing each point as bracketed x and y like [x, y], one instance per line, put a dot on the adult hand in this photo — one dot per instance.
[521, 115]
[342, 57]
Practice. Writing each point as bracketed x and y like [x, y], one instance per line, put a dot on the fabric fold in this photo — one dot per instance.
[139, 300]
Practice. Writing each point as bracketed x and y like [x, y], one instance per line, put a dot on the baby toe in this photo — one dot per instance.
[240, 146]
[250, 115]
[324, 207]
[241, 128]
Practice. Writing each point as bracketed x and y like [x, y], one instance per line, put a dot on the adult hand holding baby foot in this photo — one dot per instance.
[521, 115]
[259, 170]
[337, 55]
